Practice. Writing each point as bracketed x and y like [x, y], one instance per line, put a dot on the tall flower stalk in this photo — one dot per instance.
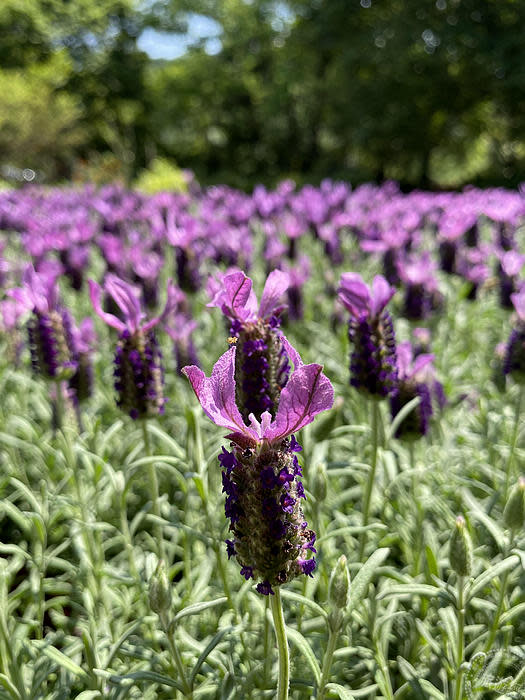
[138, 372]
[373, 361]
[270, 537]
[262, 364]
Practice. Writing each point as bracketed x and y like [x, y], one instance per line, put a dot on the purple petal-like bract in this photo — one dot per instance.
[216, 393]
[307, 393]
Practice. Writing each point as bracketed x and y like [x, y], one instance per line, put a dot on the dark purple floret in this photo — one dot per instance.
[264, 588]
[294, 446]
[227, 460]
[247, 572]
[307, 566]
[230, 548]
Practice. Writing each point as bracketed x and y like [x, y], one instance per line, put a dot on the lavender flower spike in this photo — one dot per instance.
[514, 362]
[263, 494]
[416, 379]
[138, 373]
[49, 328]
[371, 332]
[262, 363]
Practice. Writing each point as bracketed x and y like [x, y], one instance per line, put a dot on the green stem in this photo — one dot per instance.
[154, 490]
[515, 431]
[419, 511]
[371, 476]
[59, 405]
[176, 658]
[282, 645]
[266, 651]
[494, 628]
[461, 637]
[333, 635]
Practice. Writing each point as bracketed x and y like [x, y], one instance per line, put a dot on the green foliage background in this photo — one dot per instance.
[429, 92]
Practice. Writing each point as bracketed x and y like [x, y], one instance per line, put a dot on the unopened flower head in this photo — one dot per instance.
[139, 378]
[373, 368]
[262, 364]
[270, 537]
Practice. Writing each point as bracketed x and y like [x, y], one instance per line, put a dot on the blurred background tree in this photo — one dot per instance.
[430, 92]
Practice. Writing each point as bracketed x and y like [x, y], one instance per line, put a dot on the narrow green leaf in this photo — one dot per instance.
[8, 685]
[64, 661]
[359, 585]
[400, 417]
[342, 692]
[149, 676]
[304, 647]
[198, 607]
[486, 577]
[410, 589]
[206, 652]
[298, 598]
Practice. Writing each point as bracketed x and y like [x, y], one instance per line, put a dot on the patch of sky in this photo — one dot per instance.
[170, 45]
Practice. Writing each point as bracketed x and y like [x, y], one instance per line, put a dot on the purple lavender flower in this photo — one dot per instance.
[421, 289]
[509, 267]
[180, 329]
[260, 478]
[139, 377]
[81, 383]
[373, 368]
[514, 362]
[262, 362]
[415, 379]
[49, 328]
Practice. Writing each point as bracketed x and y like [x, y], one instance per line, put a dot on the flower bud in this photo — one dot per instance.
[460, 553]
[339, 588]
[514, 513]
[160, 590]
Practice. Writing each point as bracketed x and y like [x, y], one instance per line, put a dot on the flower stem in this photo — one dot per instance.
[461, 637]
[494, 628]
[514, 440]
[333, 634]
[154, 490]
[59, 406]
[418, 545]
[176, 658]
[282, 645]
[371, 476]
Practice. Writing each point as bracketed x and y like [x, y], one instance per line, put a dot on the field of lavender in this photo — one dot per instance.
[262, 446]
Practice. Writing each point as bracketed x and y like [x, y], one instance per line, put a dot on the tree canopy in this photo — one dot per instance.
[428, 92]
